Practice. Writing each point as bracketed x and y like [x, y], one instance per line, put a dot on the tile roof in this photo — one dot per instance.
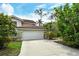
[23, 20]
[17, 18]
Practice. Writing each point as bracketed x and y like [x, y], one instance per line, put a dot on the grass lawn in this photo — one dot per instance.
[12, 50]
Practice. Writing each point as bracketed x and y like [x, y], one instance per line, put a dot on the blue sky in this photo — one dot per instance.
[25, 10]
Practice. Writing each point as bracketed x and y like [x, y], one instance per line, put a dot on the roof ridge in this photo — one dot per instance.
[22, 19]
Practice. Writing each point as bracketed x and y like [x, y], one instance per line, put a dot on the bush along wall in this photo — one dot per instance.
[50, 30]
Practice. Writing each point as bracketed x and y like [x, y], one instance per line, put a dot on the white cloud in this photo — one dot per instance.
[33, 17]
[7, 8]
[30, 16]
[41, 6]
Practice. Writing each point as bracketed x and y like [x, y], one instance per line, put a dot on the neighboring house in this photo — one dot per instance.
[28, 29]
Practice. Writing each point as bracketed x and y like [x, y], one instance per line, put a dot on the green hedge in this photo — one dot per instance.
[68, 23]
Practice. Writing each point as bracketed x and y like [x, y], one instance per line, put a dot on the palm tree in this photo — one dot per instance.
[39, 22]
[41, 14]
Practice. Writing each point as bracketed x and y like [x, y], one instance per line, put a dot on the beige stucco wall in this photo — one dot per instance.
[28, 24]
[18, 22]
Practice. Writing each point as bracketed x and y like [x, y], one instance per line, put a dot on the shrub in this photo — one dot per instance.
[68, 23]
[7, 29]
[50, 35]
[51, 30]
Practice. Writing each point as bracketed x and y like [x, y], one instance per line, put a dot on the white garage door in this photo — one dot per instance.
[28, 35]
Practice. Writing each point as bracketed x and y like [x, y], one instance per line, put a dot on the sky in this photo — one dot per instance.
[26, 10]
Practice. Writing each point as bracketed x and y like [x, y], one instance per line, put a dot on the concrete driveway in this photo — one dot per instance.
[46, 48]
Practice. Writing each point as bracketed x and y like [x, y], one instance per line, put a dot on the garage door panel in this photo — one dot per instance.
[27, 35]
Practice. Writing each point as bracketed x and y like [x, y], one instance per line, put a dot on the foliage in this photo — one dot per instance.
[49, 35]
[13, 49]
[7, 30]
[51, 30]
[41, 14]
[68, 23]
